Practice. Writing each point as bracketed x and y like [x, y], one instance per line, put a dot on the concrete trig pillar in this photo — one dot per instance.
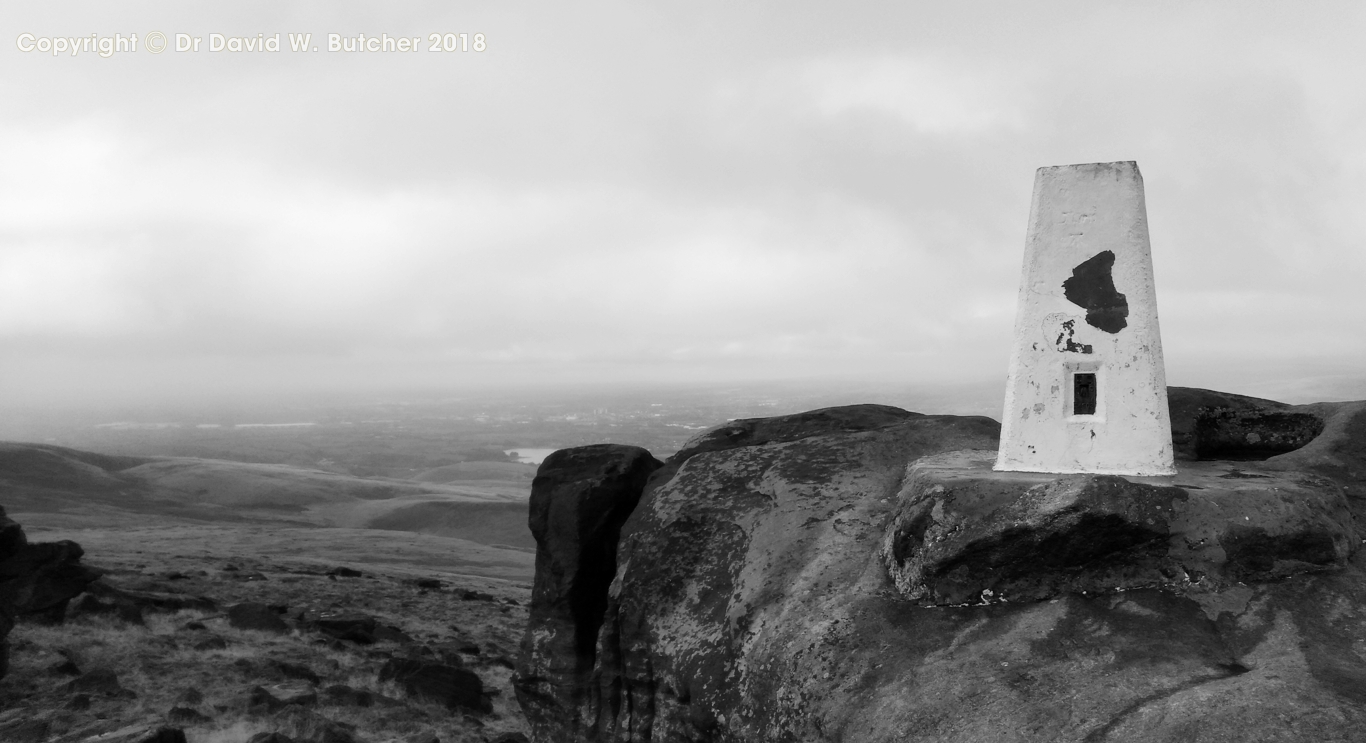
[1087, 389]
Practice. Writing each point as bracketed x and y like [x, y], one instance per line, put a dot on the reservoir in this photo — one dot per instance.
[529, 456]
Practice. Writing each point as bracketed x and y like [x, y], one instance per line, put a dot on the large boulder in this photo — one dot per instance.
[36, 580]
[1326, 438]
[965, 534]
[1186, 405]
[813, 585]
[341, 625]
[39, 579]
[579, 500]
[256, 616]
[456, 688]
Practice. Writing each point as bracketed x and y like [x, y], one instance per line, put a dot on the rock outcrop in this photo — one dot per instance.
[964, 534]
[37, 580]
[579, 501]
[457, 688]
[1206, 424]
[859, 574]
[1218, 425]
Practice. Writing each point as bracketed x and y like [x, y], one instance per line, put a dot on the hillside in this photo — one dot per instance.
[81, 495]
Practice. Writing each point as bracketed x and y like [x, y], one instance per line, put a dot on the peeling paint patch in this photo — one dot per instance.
[1064, 342]
[1093, 288]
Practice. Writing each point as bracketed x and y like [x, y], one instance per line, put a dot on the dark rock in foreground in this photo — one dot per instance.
[256, 616]
[579, 500]
[131, 601]
[39, 579]
[966, 534]
[341, 625]
[25, 731]
[752, 602]
[1221, 433]
[36, 580]
[1186, 405]
[456, 688]
[271, 699]
[102, 681]
[341, 694]
[187, 716]
[165, 735]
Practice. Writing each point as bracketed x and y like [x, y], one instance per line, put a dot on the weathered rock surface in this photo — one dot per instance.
[341, 694]
[1338, 452]
[167, 601]
[165, 735]
[255, 616]
[270, 699]
[187, 716]
[965, 534]
[456, 688]
[579, 500]
[1186, 404]
[36, 579]
[753, 602]
[341, 625]
[1218, 425]
[39, 579]
[101, 681]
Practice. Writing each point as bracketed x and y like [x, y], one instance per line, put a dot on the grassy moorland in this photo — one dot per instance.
[443, 569]
[192, 669]
[280, 506]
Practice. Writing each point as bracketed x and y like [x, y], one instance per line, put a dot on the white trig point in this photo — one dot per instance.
[1087, 390]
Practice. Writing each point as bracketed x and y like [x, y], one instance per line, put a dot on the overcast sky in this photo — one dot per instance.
[659, 191]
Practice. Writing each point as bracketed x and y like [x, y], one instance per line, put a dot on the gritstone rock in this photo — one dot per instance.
[256, 616]
[270, 699]
[816, 586]
[579, 500]
[165, 735]
[342, 694]
[25, 731]
[341, 625]
[151, 600]
[187, 716]
[212, 642]
[965, 534]
[389, 633]
[456, 688]
[296, 671]
[99, 681]
[36, 580]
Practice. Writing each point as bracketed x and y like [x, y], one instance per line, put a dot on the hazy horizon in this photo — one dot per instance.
[659, 196]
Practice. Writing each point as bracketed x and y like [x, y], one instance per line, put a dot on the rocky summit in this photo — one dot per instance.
[861, 574]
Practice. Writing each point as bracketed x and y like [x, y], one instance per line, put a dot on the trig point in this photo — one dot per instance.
[1087, 389]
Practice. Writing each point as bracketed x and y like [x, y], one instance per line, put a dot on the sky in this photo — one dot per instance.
[659, 192]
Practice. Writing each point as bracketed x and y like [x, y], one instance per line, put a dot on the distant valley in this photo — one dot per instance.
[433, 481]
[466, 518]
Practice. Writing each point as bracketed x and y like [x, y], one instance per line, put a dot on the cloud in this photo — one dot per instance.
[943, 97]
[645, 193]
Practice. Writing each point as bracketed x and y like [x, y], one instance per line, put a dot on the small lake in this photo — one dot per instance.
[529, 456]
